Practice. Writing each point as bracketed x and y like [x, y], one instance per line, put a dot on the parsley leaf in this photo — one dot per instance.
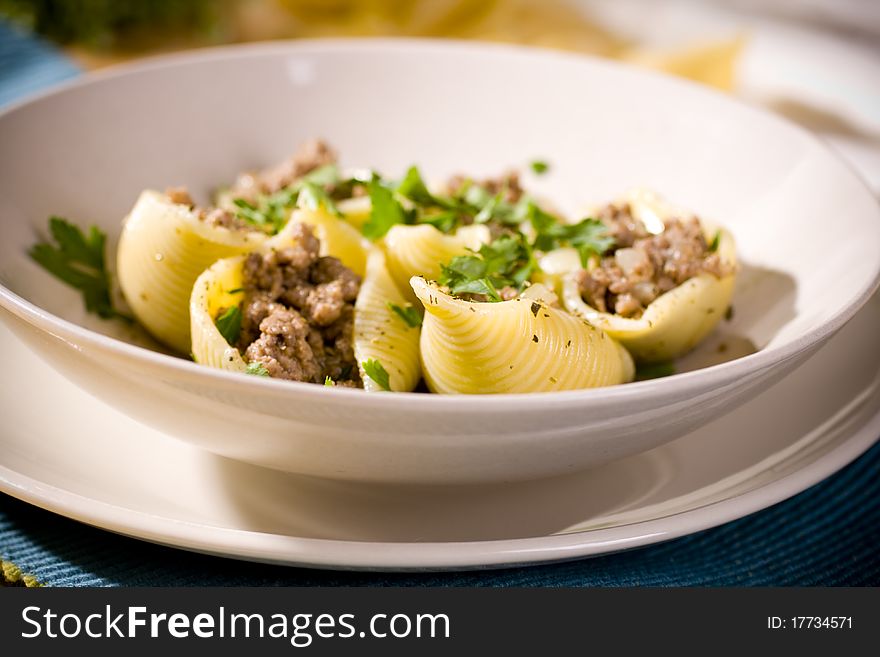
[385, 211]
[477, 286]
[445, 222]
[270, 212]
[589, 237]
[539, 166]
[414, 188]
[549, 231]
[373, 369]
[78, 261]
[655, 371]
[329, 381]
[324, 176]
[409, 315]
[506, 262]
[256, 369]
[312, 197]
[229, 324]
[713, 246]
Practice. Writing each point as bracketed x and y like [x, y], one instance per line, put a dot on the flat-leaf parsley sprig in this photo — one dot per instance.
[78, 259]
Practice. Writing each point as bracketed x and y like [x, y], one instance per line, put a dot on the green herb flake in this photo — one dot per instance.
[313, 197]
[385, 211]
[229, 324]
[324, 176]
[329, 381]
[506, 262]
[408, 314]
[655, 371]
[373, 369]
[716, 240]
[271, 211]
[413, 187]
[445, 222]
[256, 369]
[77, 259]
[540, 167]
[589, 236]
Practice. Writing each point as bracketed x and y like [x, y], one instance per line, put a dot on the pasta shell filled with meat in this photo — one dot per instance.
[516, 346]
[217, 289]
[420, 250]
[382, 334]
[673, 321]
[163, 248]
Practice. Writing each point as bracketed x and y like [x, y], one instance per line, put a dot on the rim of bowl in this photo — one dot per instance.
[683, 383]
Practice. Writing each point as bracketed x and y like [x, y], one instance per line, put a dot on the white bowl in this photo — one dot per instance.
[807, 229]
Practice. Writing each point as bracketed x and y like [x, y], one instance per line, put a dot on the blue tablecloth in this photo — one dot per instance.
[827, 535]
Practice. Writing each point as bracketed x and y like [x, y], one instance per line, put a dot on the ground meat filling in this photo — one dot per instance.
[298, 313]
[644, 266]
[308, 157]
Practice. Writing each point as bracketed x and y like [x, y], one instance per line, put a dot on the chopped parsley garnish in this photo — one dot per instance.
[506, 262]
[655, 371]
[498, 210]
[77, 259]
[539, 166]
[229, 324]
[385, 211]
[713, 246]
[445, 222]
[329, 381]
[373, 369]
[256, 369]
[589, 237]
[324, 176]
[409, 315]
[414, 188]
[271, 211]
[312, 197]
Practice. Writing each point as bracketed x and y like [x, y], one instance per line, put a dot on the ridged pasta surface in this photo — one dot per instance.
[512, 347]
[163, 248]
[218, 287]
[380, 334]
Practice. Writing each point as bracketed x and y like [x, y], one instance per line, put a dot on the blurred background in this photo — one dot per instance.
[815, 61]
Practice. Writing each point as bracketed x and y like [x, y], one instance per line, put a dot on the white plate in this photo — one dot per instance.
[82, 459]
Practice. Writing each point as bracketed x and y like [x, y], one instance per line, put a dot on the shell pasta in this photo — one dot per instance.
[163, 248]
[522, 345]
[382, 335]
[311, 273]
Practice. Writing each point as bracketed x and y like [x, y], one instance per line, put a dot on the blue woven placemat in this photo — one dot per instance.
[827, 535]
